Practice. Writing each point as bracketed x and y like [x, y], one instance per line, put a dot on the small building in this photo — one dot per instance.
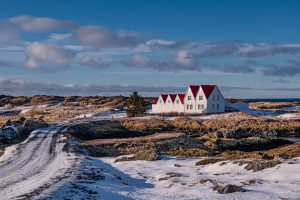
[236, 105]
[197, 99]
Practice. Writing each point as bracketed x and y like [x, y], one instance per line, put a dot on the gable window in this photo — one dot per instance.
[169, 101]
[217, 106]
[159, 101]
[202, 106]
[191, 106]
[213, 106]
[213, 97]
[187, 106]
[218, 97]
[177, 101]
[200, 97]
[189, 98]
[199, 106]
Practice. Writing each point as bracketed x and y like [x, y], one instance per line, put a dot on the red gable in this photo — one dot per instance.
[207, 89]
[164, 97]
[155, 101]
[173, 97]
[195, 89]
[181, 97]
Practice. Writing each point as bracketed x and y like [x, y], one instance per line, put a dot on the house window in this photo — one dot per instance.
[159, 101]
[191, 106]
[217, 106]
[213, 106]
[202, 106]
[213, 97]
[200, 97]
[199, 106]
[169, 101]
[189, 98]
[187, 106]
[218, 97]
[177, 101]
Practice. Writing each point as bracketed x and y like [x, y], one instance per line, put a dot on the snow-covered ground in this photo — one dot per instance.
[28, 168]
[174, 178]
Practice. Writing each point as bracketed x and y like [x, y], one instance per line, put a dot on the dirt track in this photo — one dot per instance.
[27, 168]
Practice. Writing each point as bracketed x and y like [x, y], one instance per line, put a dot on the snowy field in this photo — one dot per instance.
[173, 178]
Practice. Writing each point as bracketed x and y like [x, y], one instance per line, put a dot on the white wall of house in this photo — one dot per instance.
[215, 102]
[193, 105]
[157, 108]
[201, 102]
[169, 106]
[189, 102]
[178, 106]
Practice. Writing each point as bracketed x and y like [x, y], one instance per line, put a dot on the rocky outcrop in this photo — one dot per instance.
[18, 129]
[228, 189]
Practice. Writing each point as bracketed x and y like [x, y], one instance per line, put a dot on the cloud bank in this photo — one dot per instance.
[55, 44]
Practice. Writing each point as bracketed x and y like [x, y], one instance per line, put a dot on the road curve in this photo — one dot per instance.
[28, 168]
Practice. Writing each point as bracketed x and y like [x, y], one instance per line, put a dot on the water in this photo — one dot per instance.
[292, 139]
[289, 108]
[273, 100]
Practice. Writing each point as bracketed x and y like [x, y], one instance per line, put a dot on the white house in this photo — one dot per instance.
[236, 104]
[197, 99]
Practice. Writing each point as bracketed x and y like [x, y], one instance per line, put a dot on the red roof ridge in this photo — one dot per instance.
[164, 97]
[207, 89]
[181, 98]
[195, 89]
[155, 101]
[173, 97]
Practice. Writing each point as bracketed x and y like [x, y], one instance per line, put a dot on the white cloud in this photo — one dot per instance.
[94, 63]
[37, 24]
[185, 58]
[101, 37]
[8, 35]
[40, 55]
[57, 37]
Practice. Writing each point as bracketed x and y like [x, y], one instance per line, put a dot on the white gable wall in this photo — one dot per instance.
[215, 102]
[157, 108]
[178, 106]
[169, 107]
[201, 103]
[188, 102]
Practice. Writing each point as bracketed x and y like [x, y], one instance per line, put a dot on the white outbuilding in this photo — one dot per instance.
[236, 104]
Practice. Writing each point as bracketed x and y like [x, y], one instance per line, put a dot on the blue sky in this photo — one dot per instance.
[249, 48]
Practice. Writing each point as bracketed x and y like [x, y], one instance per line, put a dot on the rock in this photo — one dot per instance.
[209, 161]
[258, 165]
[147, 154]
[30, 125]
[8, 133]
[228, 189]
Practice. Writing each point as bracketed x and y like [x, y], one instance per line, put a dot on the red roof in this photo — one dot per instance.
[155, 101]
[173, 97]
[233, 100]
[207, 89]
[181, 97]
[195, 89]
[164, 97]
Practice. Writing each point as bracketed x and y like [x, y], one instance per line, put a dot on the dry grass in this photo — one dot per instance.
[146, 139]
[272, 105]
[246, 124]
